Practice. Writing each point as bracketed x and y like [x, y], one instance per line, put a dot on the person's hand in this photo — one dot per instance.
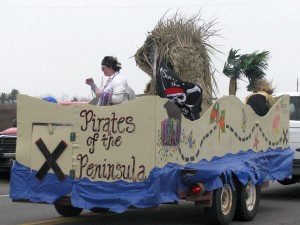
[89, 81]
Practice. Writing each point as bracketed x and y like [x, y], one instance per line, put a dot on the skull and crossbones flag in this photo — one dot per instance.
[187, 96]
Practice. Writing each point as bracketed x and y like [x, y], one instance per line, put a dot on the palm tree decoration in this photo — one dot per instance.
[252, 66]
[232, 69]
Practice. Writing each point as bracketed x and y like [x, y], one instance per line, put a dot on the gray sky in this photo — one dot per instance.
[50, 47]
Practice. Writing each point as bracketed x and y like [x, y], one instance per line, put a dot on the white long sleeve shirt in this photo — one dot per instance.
[117, 87]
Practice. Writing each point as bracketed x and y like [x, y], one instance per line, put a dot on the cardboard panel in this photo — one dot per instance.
[126, 141]
[56, 133]
[228, 126]
[110, 143]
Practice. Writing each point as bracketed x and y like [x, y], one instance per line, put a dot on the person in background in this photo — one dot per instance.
[261, 100]
[292, 112]
[116, 89]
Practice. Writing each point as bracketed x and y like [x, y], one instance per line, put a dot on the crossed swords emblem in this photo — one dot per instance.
[50, 160]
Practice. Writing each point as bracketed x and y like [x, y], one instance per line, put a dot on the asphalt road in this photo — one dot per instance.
[279, 206]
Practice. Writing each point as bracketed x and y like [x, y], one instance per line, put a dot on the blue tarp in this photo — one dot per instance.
[161, 185]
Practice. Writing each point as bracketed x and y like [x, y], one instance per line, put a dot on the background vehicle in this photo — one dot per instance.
[8, 147]
[294, 132]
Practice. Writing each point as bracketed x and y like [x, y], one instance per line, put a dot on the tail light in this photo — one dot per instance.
[197, 189]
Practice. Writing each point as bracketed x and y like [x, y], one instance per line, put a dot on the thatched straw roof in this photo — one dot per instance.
[184, 43]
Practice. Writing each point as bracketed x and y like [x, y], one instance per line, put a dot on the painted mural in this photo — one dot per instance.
[127, 141]
[180, 143]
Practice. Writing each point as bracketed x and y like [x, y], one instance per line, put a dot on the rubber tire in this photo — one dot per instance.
[99, 210]
[288, 181]
[215, 214]
[242, 212]
[68, 210]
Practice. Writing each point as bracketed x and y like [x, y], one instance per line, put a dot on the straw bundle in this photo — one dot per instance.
[183, 44]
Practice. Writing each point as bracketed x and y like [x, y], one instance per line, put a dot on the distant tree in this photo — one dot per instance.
[252, 66]
[13, 95]
[65, 97]
[3, 97]
[74, 99]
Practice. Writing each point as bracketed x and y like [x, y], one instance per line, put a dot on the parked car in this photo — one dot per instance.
[8, 139]
[294, 132]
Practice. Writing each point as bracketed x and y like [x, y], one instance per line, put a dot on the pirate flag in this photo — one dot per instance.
[187, 96]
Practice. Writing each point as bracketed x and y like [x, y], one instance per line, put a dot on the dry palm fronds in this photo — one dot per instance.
[183, 43]
[263, 85]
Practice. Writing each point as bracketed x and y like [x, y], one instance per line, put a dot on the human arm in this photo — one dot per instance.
[95, 89]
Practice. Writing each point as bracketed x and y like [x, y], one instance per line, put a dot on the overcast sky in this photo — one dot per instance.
[49, 47]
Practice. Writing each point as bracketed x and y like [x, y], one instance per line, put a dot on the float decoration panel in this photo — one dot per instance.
[132, 154]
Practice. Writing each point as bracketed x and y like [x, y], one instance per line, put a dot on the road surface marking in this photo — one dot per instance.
[1, 196]
[66, 220]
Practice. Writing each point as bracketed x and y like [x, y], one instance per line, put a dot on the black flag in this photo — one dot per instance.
[187, 96]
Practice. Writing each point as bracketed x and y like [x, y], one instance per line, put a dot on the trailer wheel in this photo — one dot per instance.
[287, 181]
[223, 206]
[99, 210]
[248, 197]
[68, 210]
